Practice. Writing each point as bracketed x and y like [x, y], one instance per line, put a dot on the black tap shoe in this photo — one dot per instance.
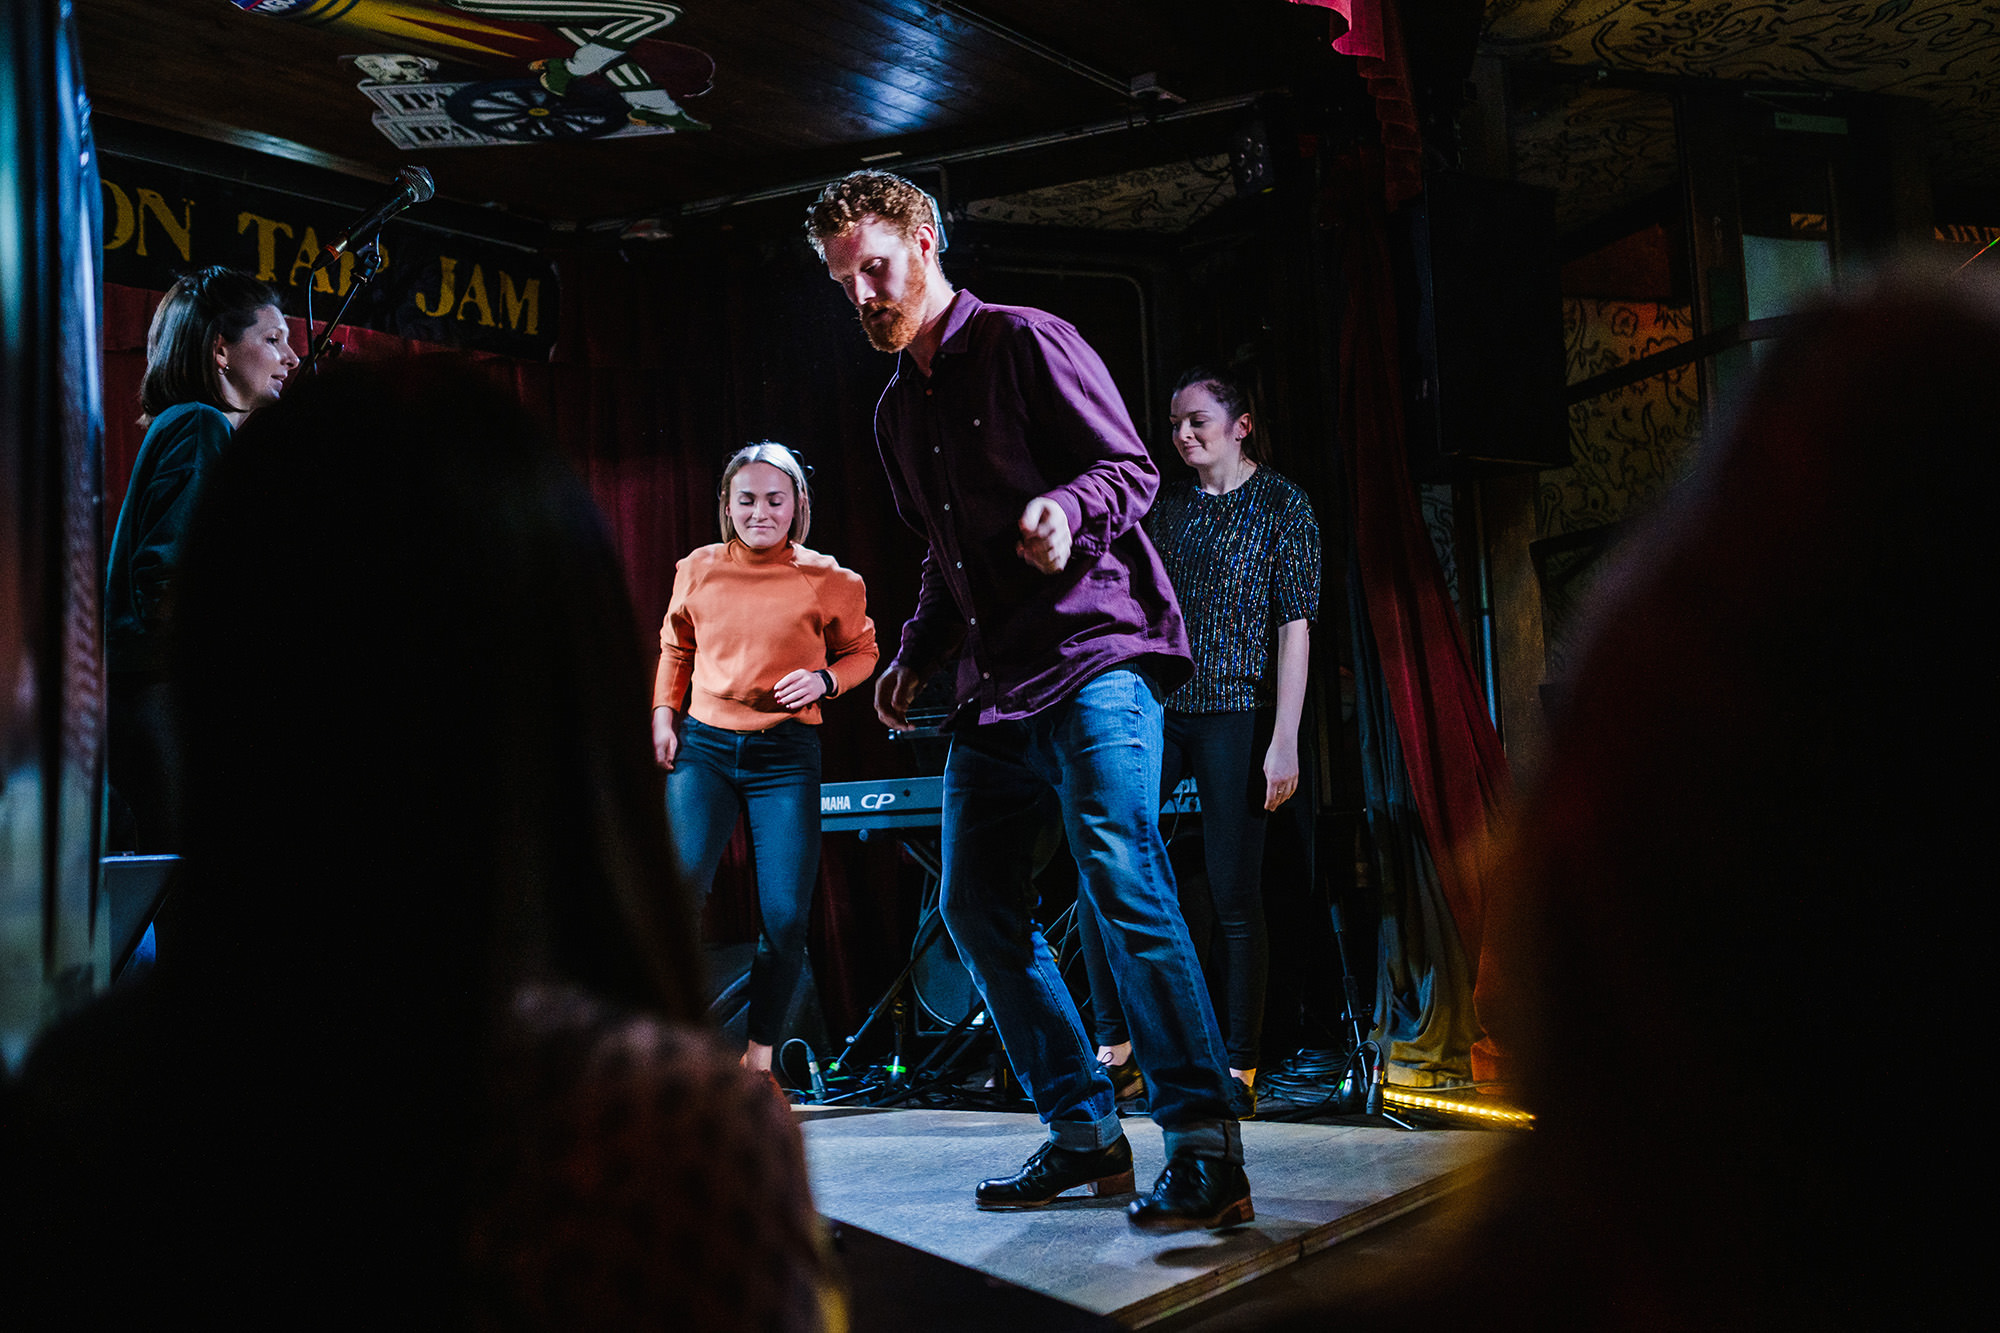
[1128, 1085]
[1195, 1194]
[1052, 1171]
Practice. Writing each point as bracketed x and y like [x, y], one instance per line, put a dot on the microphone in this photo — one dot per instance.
[413, 186]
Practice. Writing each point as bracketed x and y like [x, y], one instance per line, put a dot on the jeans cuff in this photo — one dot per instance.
[1217, 1140]
[1087, 1135]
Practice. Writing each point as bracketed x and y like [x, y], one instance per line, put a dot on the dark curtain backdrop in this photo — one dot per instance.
[1457, 772]
[667, 361]
[1424, 1015]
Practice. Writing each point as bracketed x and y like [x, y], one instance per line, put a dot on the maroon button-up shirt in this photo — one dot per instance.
[1016, 406]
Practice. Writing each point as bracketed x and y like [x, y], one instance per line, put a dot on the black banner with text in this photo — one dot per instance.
[438, 287]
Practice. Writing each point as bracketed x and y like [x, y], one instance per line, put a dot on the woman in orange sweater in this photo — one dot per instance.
[758, 633]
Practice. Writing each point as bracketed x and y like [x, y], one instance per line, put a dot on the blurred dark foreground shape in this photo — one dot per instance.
[1746, 897]
[424, 1058]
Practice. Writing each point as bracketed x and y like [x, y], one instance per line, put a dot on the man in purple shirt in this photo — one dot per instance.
[1008, 447]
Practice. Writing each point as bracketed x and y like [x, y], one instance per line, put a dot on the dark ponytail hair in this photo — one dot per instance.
[208, 303]
[1231, 396]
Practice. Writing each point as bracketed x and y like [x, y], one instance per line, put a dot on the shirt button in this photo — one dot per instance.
[975, 421]
[947, 509]
[958, 564]
[936, 450]
[986, 675]
[973, 620]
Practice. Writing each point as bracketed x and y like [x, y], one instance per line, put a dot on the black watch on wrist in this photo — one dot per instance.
[832, 685]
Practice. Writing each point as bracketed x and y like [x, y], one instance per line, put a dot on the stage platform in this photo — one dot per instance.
[906, 1177]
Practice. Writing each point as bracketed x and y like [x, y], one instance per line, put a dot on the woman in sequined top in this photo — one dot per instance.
[1242, 549]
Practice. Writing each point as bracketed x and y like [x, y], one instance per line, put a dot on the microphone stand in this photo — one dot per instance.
[367, 263]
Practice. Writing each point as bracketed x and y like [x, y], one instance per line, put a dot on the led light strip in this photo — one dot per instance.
[1454, 1106]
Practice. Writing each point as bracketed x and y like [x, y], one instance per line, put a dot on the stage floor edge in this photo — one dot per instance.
[909, 1175]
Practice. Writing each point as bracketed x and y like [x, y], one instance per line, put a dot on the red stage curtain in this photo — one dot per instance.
[1457, 770]
[1374, 37]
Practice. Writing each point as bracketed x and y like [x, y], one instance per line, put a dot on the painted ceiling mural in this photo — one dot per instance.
[1603, 147]
[473, 72]
[1946, 52]
[1598, 148]
[1166, 198]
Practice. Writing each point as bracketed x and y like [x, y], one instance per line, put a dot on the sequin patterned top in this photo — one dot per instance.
[1242, 564]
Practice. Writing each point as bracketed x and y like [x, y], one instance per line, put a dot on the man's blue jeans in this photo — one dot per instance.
[1095, 758]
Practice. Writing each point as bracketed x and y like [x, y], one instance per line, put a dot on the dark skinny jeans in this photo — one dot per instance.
[1225, 752]
[773, 777]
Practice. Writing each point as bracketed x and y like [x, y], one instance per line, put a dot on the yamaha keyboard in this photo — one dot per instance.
[891, 803]
[884, 804]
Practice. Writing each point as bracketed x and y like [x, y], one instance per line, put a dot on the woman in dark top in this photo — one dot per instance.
[218, 350]
[1241, 548]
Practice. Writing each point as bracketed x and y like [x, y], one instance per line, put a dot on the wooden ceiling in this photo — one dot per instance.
[799, 90]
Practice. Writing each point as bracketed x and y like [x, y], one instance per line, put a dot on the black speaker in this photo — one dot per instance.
[1485, 369]
[728, 994]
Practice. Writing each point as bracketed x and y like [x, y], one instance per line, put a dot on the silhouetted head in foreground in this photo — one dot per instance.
[417, 779]
[1745, 883]
[1740, 907]
[410, 675]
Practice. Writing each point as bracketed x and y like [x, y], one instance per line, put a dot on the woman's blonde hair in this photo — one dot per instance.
[781, 458]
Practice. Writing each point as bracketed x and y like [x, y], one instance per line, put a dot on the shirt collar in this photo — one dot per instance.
[964, 305]
[957, 316]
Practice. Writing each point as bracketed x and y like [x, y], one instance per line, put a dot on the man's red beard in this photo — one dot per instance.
[891, 325]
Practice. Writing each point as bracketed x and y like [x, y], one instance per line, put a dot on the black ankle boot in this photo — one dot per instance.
[1194, 1194]
[1052, 1171]
[1128, 1085]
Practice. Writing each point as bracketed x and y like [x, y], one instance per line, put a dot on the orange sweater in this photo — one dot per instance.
[739, 621]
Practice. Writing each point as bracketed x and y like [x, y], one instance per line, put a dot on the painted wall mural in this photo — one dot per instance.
[1626, 448]
[1945, 51]
[1628, 445]
[467, 72]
